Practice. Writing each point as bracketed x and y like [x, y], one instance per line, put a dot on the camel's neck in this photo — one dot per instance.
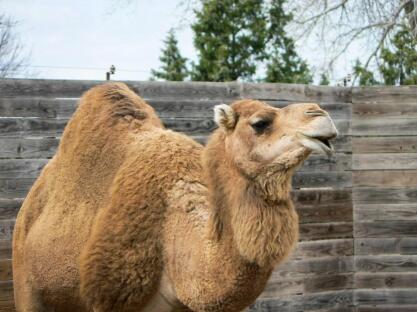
[257, 213]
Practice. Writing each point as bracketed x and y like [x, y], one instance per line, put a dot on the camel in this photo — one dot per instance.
[130, 216]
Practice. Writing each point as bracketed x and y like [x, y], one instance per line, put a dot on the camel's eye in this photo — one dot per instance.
[261, 125]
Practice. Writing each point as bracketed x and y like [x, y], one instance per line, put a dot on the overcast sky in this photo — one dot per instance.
[90, 35]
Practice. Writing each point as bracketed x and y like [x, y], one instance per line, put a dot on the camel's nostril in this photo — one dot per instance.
[315, 112]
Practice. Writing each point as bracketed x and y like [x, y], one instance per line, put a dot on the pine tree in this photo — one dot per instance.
[366, 77]
[399, 64]
[230, 37]
[173, 64]
[284, 64]
[324, 79]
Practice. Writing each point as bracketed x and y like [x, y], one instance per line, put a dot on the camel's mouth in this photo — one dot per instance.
[319, 144]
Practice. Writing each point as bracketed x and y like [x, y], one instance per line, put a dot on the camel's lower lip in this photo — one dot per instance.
[318, 144]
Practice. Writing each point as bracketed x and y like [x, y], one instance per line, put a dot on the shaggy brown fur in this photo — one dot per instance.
[129, 216]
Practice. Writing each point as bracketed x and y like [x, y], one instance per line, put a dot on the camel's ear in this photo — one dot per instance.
[225, 117]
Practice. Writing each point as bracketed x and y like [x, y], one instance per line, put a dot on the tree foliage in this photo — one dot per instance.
[230, 37]
[284, 64]
[397, 62]
[234, 38]
[173, 66]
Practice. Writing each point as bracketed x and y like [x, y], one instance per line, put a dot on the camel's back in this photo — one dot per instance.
[55, 218]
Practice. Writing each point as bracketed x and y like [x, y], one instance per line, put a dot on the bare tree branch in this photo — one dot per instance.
[12, 60]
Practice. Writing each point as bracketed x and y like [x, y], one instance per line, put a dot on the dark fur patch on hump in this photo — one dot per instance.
[124, 102]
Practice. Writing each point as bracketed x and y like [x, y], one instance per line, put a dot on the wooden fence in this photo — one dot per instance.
[358, 209]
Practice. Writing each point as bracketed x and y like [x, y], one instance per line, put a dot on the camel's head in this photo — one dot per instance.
[259, 135]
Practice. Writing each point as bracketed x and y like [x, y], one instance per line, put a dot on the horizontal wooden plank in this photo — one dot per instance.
[15, 188]
[313, 231]
[147, 89]
[321, 197]
[294, 92]
[386, 296]
[326, 213]
[383, 126]
[315, 168]
[386, 195]
[385, 228]
[328, 301]
[385, 178]
[5, 249]
[386, 245]
[390, 263]
[385, 109]
[387, 308]
[383, 161]
[37, 107]
[385, 212]
[64, 108]
[6, 273]
[9, 207]
[394, 144]
[277, 287]
[28, 147]
[384, 94]
[328, 265]
[29, 127]
[6, 229]
[323, 248]
[322, 179]
[45, 148]
[6, 297]
[386, 280]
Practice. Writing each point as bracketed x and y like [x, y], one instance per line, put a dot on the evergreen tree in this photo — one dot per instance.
[230, 37]
[399, 64]
[284, 64]
[366, 77]
[173, 64]
[324, 80]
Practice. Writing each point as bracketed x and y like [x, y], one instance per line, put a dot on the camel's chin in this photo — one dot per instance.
[319, 145]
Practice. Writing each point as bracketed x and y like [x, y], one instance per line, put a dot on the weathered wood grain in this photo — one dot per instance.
[322, 179]
[385, 195]
[323, 248]
[384, 94]
[385, 228]
[386, 245]
[313, 231]
[6, 297]
[5, 249]
[383, 126]
[386, 263]
[298, 93]
[385, 212]
[6, 273]
[277, 287]
[385, 110]
[28, 147]
[325, 213]
[387, 308]
[6, 229]
[15, 188]
[386, 280]
[197, 108]
[387, 144]
[327, 301]
[9, 207]
[382, 161]
[385, 178]
[386, 296]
